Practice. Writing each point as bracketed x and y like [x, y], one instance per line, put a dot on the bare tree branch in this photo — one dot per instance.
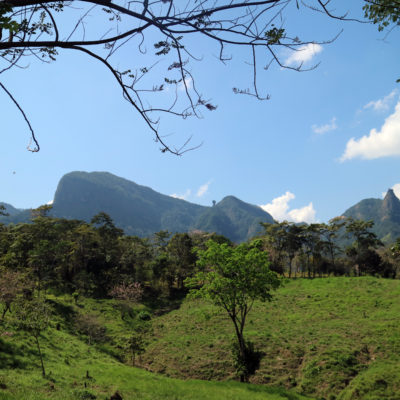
[35, 28]
[37, 147]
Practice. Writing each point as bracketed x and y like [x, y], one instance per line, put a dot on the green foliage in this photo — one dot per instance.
[383, 13]
[144, 315]
[182, 257]
[85, 395]
[33, 315]
[274, 35]
[42, 211]
[89, 325]
[362, 251]
[233, 278]
[6, 21]
[136, 345]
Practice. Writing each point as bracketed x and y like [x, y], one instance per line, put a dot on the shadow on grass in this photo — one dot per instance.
[162, 304]
[280, 391]
[11, 356]
[66, 312]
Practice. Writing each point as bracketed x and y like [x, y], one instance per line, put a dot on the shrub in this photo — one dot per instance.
[89, 325]
[144, 316]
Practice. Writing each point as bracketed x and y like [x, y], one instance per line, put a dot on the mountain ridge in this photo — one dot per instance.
[384, 212]
[140, 210]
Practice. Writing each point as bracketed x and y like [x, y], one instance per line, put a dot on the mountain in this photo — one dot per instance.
[15, 215]
[385, 214]
[233, 218]
[9, 209]
[137, 209]
[141, 211]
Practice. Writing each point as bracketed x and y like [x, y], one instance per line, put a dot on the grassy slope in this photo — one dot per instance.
[67, 357]
[331, 338]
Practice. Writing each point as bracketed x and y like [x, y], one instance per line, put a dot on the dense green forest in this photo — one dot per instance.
[73, 256]
[125, 301]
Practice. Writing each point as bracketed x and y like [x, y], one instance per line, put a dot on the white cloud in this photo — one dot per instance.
[279, 206]
[382, 104]
[50, 203]
[182, 196]
[303, 54]
[188, 82]
[321, 129]
[203, 189]
[279, 209]
[383, 143]
[304, 214]
[396, 190]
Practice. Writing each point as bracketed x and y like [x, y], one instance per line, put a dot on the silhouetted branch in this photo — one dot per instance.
[31, 28]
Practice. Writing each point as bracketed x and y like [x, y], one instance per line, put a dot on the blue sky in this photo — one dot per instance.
[325, 140]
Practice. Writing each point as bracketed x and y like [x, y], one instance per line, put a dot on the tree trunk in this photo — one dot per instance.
[40, 355]
[242, 345]
[6, 308]
[333, 258]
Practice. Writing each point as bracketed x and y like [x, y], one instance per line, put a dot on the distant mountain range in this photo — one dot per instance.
[385, 214]
[141, 211]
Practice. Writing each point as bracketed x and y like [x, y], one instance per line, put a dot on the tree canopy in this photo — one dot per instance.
[233, 278]
[383, 12]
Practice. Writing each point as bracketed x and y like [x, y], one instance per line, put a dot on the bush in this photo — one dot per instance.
[85, 395]
[144, 316]
[89, 325]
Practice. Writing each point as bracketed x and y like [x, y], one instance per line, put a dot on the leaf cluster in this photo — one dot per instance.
[383, 12]
[233, 277]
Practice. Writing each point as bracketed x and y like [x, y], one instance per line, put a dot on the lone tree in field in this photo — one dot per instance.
[163, 38]
[34, 318]
[12, 284]
[233, 278]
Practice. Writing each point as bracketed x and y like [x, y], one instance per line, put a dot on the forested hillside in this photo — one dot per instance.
[118, 300]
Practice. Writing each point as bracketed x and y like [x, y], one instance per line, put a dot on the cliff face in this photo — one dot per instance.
[390, 208]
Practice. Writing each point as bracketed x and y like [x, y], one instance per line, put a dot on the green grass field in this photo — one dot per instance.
[331, 338]
[69, 359]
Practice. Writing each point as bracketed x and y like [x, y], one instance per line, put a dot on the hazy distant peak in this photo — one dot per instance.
[385, 214]
[390, 195]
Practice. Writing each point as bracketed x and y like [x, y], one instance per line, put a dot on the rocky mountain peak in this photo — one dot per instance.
[391, 206]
